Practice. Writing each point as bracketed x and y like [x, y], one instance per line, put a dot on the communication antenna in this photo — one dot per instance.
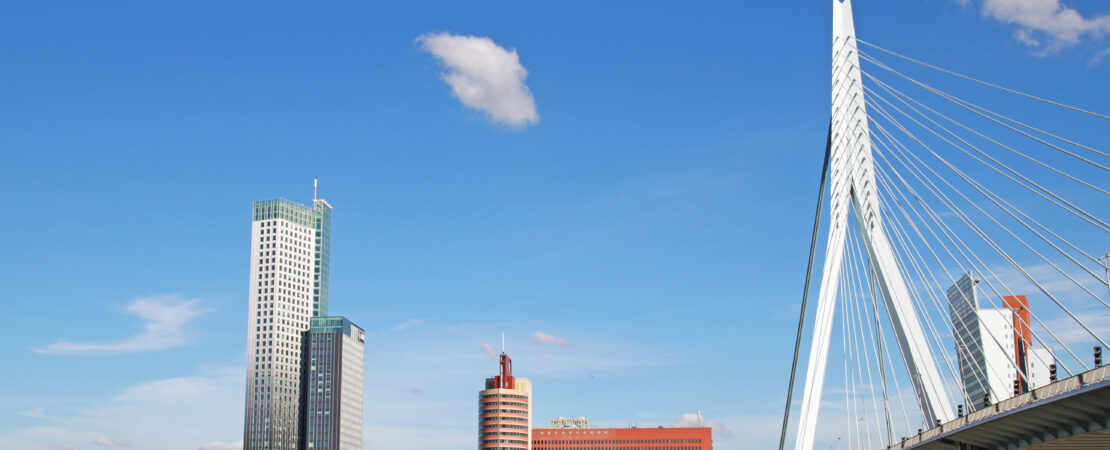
[314, 181]
[700, 424]
[502, 342]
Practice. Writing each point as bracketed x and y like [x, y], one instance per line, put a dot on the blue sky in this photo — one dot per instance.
[655, 216]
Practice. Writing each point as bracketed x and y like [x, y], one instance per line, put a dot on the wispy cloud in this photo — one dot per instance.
[165, 317]
[181, 412]
[1097, 59]
[489, 350]
[106, 441]
[62, 446]
[1047, 25]
[406, 324]
[696, 420]
[547, 339]
[415, 391]
[35, 413]
[484, 76]
[1070, 333]
[220, 445]
[450, 362]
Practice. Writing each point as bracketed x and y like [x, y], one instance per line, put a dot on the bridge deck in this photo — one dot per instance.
[1073, 413]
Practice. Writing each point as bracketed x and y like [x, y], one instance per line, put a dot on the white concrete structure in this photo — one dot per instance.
[1039, 360]
[853, 189]
[288, 278]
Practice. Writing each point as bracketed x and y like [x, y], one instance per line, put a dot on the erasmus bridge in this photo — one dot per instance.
[963, 301]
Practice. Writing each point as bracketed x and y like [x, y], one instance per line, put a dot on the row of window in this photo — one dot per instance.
[507, 433]
[501, 425]
[615, 441]
[503, 418]
[669, 447]
[522, 405]
[521, 397]
[507, 411]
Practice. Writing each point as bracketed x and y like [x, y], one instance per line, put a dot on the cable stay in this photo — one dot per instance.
[956, 231]
[1012, 91]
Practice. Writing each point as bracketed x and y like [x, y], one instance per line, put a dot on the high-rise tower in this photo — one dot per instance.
[333, 389]
[288, 285]
[505, 410]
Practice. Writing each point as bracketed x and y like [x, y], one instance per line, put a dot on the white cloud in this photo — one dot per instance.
[547, 339]
[1070, 333]
[484, 76]
[106, 441]
[406, 324]
[62, 446]
[489, 350]
[34, 413]
[696, 420]
[1095, 60]
[1046, 24]
[174, 413]
[165, 317]
[220, 445]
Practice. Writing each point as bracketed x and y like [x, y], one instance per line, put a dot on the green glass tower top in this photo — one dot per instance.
[318, 218]
[280, 208]
[333, 325]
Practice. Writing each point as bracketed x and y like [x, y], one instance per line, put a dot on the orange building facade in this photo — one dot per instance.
[1023, 335]
[622, 439]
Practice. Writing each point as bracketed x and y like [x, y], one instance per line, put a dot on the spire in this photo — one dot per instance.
[314, 187]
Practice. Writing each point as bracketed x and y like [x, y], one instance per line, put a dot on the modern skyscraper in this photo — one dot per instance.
[333, 389]
[505, 410]
[288, 278]
[994, 346]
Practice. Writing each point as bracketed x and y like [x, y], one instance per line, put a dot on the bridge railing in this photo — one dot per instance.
[1051, 390]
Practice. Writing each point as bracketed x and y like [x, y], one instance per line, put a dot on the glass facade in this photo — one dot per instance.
[322, 223]
[333, 412]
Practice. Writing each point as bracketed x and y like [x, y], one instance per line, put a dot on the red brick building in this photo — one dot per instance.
[622, 439]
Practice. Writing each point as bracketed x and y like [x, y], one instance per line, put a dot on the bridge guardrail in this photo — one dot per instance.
[1096, 375]
[1058, 387]
[1052, 390]
[1014, 402]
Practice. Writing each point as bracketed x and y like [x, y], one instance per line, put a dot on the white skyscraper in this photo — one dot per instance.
[290, 252]
[993, 343]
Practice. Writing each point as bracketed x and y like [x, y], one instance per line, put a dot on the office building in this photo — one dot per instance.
[994, 346]
[333, 399]
[623, 438]
[505, 410]
[288, 285]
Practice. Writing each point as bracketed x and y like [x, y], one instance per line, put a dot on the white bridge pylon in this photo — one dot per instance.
[852, 183]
